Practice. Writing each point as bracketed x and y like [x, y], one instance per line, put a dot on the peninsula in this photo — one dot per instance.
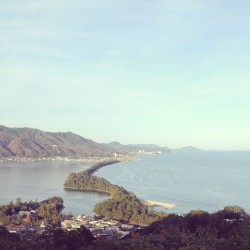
[121, 205]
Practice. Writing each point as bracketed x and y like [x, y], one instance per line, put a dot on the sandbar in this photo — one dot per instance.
[150, 203]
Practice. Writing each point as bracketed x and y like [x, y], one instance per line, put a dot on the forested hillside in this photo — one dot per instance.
[29, 142]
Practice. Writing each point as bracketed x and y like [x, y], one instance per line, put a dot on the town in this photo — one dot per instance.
[87, 159]
[102, 229]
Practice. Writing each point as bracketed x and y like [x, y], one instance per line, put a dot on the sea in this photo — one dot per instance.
[38, 181]
[207, 180]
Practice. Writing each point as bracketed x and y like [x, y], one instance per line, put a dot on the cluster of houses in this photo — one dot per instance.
[23, 224]
[100, 228]
[25, 231]
[90, 159]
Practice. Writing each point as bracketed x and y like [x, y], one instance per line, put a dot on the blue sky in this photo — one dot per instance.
[173, 73]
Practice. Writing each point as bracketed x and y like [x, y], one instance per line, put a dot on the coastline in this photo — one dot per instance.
[151, 203]
[87, 190]
[90, 159]
[92, 169]
[98, 162]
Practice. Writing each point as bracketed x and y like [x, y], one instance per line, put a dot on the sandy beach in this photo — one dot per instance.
[150, 203]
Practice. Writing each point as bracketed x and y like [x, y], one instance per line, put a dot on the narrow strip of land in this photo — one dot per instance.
[121, 205]
[97, 166]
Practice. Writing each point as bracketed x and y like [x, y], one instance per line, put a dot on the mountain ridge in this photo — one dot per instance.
[188, 149]
[135, 148]
[32, 142]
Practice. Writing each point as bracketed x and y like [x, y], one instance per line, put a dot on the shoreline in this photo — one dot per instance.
[92, 169]
[98, 163]
[87, 190]
[165, 205]
[90, 159]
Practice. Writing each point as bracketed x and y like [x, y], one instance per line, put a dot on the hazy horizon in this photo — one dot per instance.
[138, 143]
[171, 73]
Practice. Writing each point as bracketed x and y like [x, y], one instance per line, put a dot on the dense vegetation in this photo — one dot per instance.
[228, 229]
[34, 143]
[224, 230]
[120, 206]
[50, 239]
[95, 167]
[47, 210]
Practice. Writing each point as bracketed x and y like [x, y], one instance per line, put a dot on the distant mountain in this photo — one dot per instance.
[114, 144]
[29, 142]
[138, 148]
[188, 148]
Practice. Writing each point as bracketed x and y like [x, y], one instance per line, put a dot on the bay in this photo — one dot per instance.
[208, 180]
[41, 180]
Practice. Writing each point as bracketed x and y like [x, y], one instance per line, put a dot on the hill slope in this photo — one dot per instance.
[188, 149]
[135, 148]
[29, 142]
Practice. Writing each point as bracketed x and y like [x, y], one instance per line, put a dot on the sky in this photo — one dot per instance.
[168, 72]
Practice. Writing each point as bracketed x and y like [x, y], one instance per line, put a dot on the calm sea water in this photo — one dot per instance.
[41, 180]
[208, 180]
